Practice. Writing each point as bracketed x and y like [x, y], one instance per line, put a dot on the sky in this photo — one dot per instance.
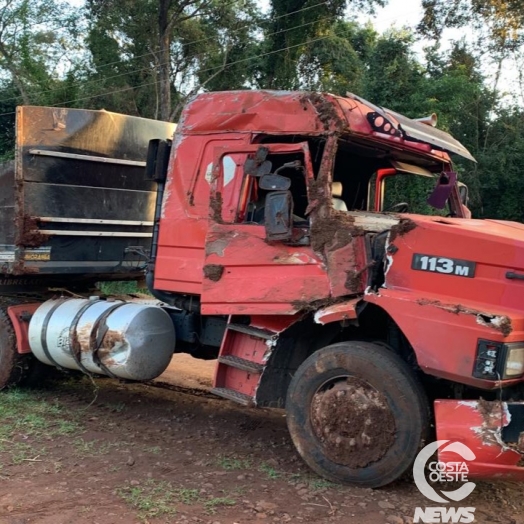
[407, 13]
[399, 13]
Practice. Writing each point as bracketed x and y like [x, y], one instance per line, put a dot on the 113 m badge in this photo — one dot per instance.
[446, 266]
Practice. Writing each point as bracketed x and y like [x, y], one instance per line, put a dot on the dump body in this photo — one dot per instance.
[75, 200]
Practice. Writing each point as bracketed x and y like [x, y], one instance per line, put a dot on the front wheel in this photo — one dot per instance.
[357, 414]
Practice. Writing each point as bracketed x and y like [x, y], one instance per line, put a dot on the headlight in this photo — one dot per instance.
[514, 366]
[496, 361]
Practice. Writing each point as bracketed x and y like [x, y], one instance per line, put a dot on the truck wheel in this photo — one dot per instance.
[357, 414]
[13, 366]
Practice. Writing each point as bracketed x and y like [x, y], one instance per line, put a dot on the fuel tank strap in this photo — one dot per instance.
[43, 336]
[97, 337]
[76, 350]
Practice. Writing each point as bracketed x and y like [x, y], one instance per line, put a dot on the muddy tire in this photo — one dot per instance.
[13, 366]
[357, 414]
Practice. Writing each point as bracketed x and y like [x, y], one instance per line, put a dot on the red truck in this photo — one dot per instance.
[269, 243]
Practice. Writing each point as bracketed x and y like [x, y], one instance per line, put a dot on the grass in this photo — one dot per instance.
[211, 505]
[187, 496]
[233, 463]
[153, 499]
[25, 415]
[317, 484]
[22, 452]
[271, 472]
[91, 448]
[312, 482]
[121, 287]
[155, 450]
[157, 498]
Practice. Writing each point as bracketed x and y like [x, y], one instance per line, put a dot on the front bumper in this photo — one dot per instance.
[494, 431]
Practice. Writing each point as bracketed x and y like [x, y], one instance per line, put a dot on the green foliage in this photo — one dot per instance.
[333, 64]
[37, 41]
[500, 167]
[109, 55]
[210, 44]
[394, 78]
[296, 26]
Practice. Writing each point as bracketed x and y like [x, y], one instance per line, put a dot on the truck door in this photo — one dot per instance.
[243, 272]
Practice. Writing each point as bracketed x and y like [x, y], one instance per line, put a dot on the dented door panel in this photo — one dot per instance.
[251, 276]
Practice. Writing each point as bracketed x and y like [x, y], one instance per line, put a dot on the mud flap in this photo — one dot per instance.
[494, 431]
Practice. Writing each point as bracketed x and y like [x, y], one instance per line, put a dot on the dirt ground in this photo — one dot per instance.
[107, 452]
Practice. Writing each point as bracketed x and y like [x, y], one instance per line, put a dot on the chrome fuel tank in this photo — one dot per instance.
[122, 339]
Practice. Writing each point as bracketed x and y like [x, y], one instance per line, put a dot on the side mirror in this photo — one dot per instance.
[274, 183]
[278, 215]
[441, 193]
[257, 165]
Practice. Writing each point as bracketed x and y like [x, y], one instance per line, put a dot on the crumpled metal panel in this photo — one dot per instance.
[301, 112]
[481, 426]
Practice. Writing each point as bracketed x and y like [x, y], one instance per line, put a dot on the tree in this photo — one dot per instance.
[337, 63]
[171, 47]
[294, 27]
[394, 78]
[502, 20]
[500, 167]
[36, 38]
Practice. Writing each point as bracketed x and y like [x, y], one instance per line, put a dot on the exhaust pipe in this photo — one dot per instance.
[430, 120]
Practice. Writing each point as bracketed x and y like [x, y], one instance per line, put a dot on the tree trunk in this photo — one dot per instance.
[164, 59]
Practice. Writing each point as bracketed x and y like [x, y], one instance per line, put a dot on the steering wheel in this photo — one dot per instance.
[401, 207]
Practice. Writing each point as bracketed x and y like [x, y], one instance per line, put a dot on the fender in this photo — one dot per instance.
[20, 316]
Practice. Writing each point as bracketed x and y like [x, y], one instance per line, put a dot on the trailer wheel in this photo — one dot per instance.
[357, 414]
[13, 366]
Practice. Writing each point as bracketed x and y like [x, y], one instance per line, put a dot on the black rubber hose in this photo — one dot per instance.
[188, 303]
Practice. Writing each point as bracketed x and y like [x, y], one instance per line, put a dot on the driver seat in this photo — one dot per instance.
[336, 192]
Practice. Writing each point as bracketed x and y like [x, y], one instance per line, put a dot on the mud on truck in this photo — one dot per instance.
[268, 242]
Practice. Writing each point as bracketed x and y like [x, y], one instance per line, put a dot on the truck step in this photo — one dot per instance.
[248, 330]
[235, 396]
[241, 363]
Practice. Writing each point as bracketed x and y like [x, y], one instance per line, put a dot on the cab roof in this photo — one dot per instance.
[314, 114]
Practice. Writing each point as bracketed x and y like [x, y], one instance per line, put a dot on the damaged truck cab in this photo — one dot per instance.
[334, 307]
[277, 248]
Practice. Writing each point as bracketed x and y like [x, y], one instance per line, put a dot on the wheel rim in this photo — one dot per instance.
[352, 421]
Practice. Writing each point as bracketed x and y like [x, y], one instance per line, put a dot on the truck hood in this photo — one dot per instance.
[498, 231]
[492, 249]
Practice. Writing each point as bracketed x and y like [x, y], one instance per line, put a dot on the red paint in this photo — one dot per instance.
[439, 314]
[462, 421]
[20, 316]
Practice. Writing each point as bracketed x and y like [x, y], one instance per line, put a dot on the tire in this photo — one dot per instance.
[357, 414]
[13, 366]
